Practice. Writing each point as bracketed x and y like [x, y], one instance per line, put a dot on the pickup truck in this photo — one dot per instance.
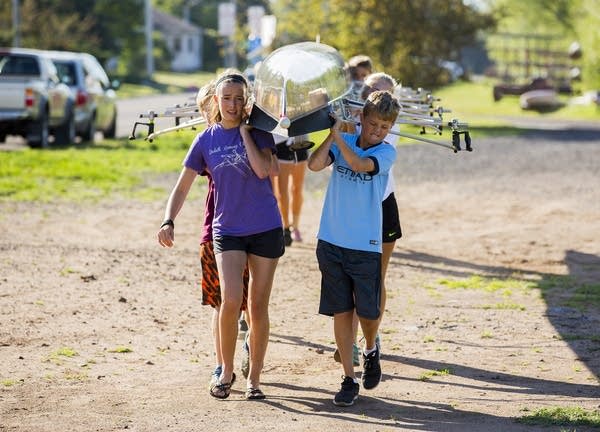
[33, 102]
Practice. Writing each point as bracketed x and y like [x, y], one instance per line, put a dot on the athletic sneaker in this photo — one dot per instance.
[348, 393]
[287, 237]
[297, 236]
[371, 370]
[355, 355]
[246, 356]
[243, 325]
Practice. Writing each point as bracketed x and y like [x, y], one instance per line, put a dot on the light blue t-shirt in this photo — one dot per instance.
[352, 215]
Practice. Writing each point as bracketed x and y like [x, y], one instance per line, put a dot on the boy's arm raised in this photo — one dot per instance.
[319, 159]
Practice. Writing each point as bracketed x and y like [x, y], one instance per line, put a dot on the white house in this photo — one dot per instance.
[183, 39]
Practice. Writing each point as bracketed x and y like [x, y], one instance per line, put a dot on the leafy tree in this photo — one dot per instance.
[408, 41]
[48, 24]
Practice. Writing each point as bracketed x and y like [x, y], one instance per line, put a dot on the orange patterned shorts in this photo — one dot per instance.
[211, 289]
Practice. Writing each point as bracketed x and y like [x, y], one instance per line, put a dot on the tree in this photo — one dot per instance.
[408, 41]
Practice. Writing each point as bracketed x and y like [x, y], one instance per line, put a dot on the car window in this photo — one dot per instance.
[66, 70]
[19, 65]
[94, 68]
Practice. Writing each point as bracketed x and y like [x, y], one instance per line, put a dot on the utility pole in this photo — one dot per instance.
[149, 24]
[16, 24]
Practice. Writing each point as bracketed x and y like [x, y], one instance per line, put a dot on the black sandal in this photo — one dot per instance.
[221, 390]
[254, 394]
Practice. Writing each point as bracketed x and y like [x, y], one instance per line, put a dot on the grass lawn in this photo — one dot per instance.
[91, 172]
[82, 172]
[165, 82]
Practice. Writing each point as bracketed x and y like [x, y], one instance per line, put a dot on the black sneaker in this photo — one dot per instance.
[287, 237]
[348, 394]
[371, 370]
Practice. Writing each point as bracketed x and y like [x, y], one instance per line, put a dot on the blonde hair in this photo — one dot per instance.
[204, 100]
[377, 81]
[382, 104]
[381, 78]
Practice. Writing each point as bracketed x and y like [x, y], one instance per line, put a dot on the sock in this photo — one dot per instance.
[366, 352]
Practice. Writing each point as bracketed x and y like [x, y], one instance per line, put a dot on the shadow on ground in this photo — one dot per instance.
[572, 300]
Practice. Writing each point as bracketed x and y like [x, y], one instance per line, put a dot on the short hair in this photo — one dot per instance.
[383, 104]
[358, 61]
[381, 77]
[374, 82]
[361, 60]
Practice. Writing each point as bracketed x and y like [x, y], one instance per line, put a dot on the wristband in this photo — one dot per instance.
[168, 222]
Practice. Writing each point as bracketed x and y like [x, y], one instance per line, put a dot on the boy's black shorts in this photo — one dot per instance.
[349, 279]
[391, 220]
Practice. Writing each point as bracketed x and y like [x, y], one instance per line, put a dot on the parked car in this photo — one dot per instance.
[33, 101]
[94, 94]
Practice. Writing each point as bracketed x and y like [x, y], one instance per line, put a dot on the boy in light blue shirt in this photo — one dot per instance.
[349, 246]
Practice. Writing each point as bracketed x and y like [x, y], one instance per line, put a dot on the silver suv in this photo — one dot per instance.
[33, 101]
[95, 97]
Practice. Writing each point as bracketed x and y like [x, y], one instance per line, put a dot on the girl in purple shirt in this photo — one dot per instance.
[246, 225]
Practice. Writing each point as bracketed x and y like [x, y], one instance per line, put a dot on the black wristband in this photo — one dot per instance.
[168, 222]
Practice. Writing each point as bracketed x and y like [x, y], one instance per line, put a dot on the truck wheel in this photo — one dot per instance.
[65, 134]
[39, 133]
[111, 131]
[90, 131]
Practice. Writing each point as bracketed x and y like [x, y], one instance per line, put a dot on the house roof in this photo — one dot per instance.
[170, 24]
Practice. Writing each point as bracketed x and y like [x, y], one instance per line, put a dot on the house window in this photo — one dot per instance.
[191, 44]
[177, 44]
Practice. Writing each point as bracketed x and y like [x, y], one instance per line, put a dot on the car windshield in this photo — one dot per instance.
[18, 65]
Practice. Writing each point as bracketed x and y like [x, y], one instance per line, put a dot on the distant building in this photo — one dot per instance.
[183, 39]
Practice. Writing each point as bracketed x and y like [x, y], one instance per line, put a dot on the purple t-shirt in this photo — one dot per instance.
[244, 204]
[209, 211]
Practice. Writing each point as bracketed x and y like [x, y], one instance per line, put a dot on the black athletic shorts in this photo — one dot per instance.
[268, 244]
[391, 220]
[350, 279]
[286, 154]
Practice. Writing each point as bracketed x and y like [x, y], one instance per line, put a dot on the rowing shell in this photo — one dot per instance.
[294, 87]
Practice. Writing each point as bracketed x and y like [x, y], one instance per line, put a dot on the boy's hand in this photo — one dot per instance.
[337, 123]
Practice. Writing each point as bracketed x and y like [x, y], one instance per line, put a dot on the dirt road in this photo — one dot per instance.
[102, 330]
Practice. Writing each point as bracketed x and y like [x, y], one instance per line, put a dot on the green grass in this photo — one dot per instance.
[571, 292]
[473, 100]
[555, 289]
[121, 350]
[569, 416]
[165, 82]
[426, 376]
[91, 172]
[480, 283]
[64, 352]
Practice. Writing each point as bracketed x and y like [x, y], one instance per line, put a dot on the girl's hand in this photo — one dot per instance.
[245, 128]
[166, 236]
